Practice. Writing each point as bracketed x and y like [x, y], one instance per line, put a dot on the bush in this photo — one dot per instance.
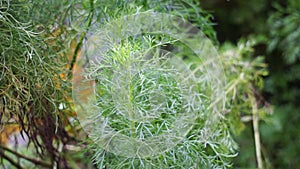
[42, 42]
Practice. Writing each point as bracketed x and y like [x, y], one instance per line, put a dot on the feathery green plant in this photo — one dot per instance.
[160, 119]
[147, 115]
[29, 78]
[150, 116]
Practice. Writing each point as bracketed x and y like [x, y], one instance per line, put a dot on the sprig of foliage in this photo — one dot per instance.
[140, 98]
[206, 144]
[31, 88]
[187, 9]
[245, 74]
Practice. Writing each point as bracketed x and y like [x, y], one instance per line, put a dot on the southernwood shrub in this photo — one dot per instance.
[40, 43]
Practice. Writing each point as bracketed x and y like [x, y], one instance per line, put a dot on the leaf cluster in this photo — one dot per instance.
[141, 98]
[31, 88]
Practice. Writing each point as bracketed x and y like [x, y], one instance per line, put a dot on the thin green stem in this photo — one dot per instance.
[228, 90]
[82, 36]
[131, 116]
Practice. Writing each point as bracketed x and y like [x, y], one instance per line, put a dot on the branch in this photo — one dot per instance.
[18, 166]
[83, 34]
[255, 123]
[35, 161]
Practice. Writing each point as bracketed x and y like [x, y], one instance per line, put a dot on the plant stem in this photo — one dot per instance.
[255, 123]
[82, 36]
[12, 162]
[228, 90]
[131, 116]
[132, 125]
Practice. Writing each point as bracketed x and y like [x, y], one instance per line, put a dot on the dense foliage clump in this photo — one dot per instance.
[42, 43]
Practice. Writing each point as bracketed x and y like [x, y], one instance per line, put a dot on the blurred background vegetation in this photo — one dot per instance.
[276, 27]
[259, 46]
